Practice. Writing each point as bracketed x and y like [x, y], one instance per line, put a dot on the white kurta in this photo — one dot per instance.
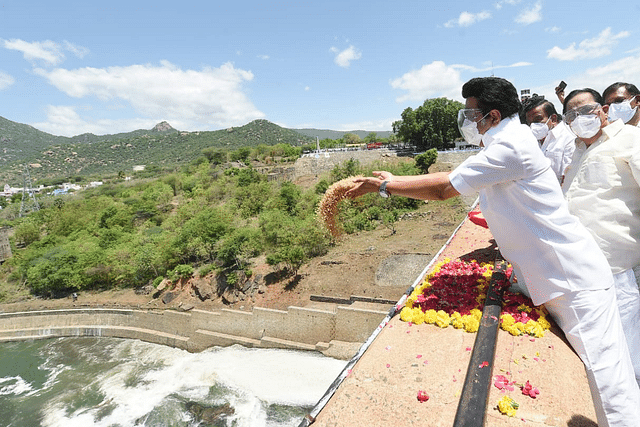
[521, 199]
[558, 147]
[602, 187]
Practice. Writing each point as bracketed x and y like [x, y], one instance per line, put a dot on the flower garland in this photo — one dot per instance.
[454, 292]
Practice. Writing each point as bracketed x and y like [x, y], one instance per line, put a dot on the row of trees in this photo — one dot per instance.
[204, 217]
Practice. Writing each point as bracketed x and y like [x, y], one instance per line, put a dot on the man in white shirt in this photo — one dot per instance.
[523, 205]
[623, 100]
[556, 139]
[602, 188]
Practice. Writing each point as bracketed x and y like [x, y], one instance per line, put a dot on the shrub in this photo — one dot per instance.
[426, 159]
[157, 281]
[182, 271]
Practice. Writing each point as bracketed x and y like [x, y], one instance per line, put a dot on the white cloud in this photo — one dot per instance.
[307, 88]
[210, 98]
[625, 70]
[432, 80]
[5, 80]
[438, 79]
[503, 2]
[622, 70]
[466, 19]
[531, 15]
[552, 30]
[265, 57]
[47, 51]
[589, 48]
[50, 52]
[343, 58]
[78, 51]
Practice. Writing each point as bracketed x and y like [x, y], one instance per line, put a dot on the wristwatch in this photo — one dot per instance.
[383, 189]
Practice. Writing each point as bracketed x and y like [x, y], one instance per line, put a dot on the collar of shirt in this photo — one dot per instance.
[608, 132]
[555, 134]
[612, 129]
[489, 135]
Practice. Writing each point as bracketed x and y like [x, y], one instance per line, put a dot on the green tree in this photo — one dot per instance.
[431, 125]
[351, 138]
[215, 156]
[349, 168]
[426, 159]
[197, 239]
[371, 137]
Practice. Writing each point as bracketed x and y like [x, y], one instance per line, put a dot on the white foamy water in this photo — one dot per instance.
[14, 385]
[149, 385]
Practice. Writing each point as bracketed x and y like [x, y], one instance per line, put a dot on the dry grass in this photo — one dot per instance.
[328, 208]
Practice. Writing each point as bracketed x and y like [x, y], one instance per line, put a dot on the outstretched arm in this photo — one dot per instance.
[433, 186]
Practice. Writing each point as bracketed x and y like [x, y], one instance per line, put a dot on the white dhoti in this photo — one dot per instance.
[591, 322]
[628, 298]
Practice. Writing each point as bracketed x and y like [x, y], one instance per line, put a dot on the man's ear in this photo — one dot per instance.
[554, 119]
[495, 116]
[635, 101]
[605, 120]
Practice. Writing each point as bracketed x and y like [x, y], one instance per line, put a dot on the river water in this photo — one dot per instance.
[69, 382]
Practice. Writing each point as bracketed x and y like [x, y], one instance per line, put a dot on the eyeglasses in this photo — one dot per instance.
[471, 114]
[584, 110]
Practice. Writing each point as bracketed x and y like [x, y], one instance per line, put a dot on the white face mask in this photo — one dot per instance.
[586, 126]
[622, 110]
[469, 130]
[540, 130]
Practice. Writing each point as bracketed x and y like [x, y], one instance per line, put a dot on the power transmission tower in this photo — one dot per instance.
[29, 202]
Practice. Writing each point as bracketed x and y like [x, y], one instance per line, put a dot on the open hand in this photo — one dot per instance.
[367, 185]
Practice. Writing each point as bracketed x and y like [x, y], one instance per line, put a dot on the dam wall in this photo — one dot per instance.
[336, 333]
[319, 163]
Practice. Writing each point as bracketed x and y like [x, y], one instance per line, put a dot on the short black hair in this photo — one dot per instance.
[533, 102]
[596, 97]
[631, 88]
[493, 93]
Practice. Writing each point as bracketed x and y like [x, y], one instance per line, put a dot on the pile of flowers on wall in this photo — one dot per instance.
[453, 294]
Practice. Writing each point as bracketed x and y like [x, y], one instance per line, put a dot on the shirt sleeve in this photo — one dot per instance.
[497, 163]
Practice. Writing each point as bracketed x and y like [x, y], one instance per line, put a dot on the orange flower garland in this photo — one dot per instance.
[454, 293]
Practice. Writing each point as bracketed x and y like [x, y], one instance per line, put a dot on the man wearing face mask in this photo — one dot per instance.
[523, 205]
[623, 100]
[557, 141]
[602, 188]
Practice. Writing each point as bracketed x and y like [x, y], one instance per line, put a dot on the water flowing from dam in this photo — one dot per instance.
[116, 382]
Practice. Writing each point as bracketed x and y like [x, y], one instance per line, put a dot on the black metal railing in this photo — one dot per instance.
[472, 407]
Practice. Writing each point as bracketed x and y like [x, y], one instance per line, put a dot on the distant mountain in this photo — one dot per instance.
[336, 134]
[88, 154]
[53, 156]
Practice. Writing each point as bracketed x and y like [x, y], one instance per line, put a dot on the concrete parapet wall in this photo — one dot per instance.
[316, 164]
[367, 320]
[297, 328]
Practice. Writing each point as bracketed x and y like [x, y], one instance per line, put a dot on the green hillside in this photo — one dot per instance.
[53, 156]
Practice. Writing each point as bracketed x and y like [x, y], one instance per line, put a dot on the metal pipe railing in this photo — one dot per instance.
[472, 407]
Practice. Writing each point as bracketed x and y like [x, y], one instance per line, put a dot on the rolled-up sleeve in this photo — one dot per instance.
[458, 182]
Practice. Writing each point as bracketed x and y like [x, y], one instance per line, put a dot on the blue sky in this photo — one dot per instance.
[106, 67]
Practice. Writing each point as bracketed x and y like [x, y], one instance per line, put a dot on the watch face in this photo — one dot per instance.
[383, 190]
